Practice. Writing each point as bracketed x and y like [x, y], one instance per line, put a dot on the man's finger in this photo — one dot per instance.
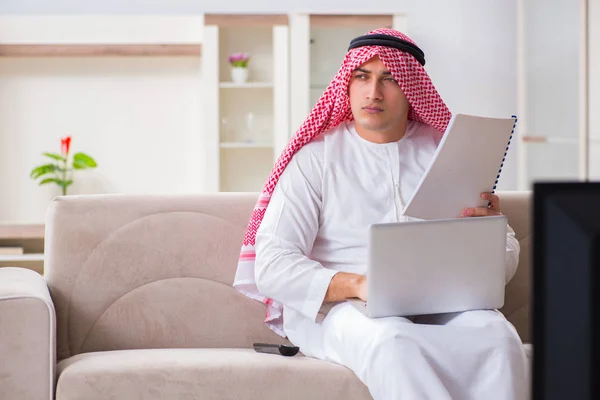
[492, 198]
[478, 212]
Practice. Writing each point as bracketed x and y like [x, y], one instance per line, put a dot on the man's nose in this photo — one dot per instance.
[375, 92]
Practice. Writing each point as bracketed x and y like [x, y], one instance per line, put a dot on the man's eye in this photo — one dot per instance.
[361, 76]
[390, 79]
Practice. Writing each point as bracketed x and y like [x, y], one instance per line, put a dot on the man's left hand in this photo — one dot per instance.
[492, 209]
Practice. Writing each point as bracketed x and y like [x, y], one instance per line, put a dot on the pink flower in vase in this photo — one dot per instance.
[239, 60]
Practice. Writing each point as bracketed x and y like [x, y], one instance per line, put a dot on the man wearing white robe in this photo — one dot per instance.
[311, 255]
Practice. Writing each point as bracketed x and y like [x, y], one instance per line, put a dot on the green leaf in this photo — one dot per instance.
[43, 170]
[49, 180]
[82, 161]
[55, 156]
[58, 181]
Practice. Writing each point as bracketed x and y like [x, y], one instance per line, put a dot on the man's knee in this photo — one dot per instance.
[509, 343]
[479, 318]
[397, 343]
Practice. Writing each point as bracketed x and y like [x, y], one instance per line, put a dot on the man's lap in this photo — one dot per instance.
[345, 329]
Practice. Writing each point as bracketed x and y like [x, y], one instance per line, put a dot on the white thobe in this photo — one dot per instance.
[316, 225]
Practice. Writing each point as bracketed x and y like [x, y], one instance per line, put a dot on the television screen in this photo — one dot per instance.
[566, 289]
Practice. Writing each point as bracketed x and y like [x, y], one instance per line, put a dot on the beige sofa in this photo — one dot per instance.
[136, 303]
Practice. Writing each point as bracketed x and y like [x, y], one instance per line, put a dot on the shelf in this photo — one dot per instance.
[245, 20]
[99, 50]
[21, 231]
[21, 257]
[247, 85]
[337, 20]
[246, 145]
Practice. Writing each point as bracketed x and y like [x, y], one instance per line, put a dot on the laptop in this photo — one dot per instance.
[435, 266]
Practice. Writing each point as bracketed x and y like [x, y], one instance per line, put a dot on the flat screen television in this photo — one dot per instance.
[566, 291]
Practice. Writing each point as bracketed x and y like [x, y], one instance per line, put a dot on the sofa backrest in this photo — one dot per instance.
[517, 208]
[140, 271]
[151, 271]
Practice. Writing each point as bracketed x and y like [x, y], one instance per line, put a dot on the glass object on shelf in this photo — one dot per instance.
[249, 128]
[225, 130]
[249, 115]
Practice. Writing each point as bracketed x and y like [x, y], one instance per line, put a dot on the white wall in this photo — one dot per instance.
[192, 6]
[139, 118]
[469, 44]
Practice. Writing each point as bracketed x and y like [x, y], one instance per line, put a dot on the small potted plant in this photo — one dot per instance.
[239, 67]
[61, 171]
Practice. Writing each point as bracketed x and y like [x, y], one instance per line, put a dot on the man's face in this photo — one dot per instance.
[377, 101]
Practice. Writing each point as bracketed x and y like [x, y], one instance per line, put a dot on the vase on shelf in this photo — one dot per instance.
[239, 74]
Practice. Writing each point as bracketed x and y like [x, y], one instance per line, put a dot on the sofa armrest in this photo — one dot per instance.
[27, 336]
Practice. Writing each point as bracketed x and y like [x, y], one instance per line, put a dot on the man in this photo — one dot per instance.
[356, 161]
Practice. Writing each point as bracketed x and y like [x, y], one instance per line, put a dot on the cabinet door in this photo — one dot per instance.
[553, 81]
[594, 159]
[594, 88]
[328, 47]
[319, 43]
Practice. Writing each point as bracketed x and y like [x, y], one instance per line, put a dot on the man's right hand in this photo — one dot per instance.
[362, 288]
[345, 285]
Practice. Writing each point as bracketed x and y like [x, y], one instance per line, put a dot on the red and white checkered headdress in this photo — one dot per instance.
[331, 110]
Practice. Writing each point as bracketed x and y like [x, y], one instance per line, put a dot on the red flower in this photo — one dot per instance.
[65, 144]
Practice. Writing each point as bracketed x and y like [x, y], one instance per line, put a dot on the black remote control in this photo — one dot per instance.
[280, 349]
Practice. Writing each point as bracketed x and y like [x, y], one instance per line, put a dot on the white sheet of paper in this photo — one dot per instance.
[466, 164]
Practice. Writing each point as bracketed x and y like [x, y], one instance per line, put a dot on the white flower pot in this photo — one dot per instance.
[239, 74]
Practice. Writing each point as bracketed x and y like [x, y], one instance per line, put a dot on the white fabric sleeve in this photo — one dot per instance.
[284, 240]
[512, 254]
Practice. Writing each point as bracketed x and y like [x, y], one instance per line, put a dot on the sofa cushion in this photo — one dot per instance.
[203, 374]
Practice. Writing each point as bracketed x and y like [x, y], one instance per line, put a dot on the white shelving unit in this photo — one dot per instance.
[28, 240]
[247, 85]
[246, 124]
[245, 145]
[21, 257]
[320, 43]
